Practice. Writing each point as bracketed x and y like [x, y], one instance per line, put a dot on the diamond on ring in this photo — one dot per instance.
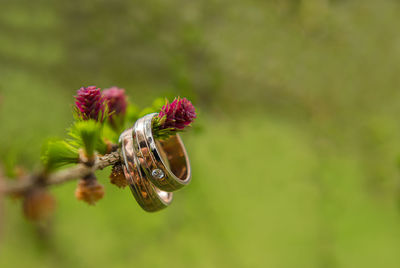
[157, 173]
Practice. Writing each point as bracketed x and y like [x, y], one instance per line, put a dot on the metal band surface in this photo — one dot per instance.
[149, 197]
[165, 162]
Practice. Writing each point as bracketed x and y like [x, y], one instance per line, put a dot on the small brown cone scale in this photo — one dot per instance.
[89, 190]
[117, 176]
[38, 204]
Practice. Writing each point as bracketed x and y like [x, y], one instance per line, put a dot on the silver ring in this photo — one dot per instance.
[149, 197]
[165, 162]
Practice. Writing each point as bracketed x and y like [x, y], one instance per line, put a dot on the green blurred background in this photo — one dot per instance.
[295, 151]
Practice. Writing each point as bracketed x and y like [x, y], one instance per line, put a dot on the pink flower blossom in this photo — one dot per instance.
[90, 103]
[178, 114]
[116, 101]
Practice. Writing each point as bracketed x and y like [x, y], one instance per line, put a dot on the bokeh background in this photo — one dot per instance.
[294, 155]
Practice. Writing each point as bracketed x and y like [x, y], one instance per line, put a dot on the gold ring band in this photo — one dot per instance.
[166, 161]
[149, 197]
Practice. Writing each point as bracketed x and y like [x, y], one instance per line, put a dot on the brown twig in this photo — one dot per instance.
[59, 177]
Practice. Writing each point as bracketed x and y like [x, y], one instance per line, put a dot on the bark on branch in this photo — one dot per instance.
[58, 177]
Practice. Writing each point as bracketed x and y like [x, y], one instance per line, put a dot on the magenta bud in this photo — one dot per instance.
[116, 101]
[90, 103]
[178, 114]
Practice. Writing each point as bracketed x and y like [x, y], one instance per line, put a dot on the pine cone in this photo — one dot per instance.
[38, 204]
[117, 176]
[116, 102]
[89, 190]
[90, 103]
[178, 114]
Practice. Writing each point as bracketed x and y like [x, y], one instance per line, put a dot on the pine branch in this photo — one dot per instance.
[58, 177]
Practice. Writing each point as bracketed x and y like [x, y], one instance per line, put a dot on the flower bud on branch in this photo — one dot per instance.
[90, 104]
[173, 117]
[117, 176]
[38, 204]
[116, 102]
[89, 189]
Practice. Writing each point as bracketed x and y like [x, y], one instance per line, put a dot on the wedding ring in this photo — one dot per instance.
[149, 197]
[165, 162]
